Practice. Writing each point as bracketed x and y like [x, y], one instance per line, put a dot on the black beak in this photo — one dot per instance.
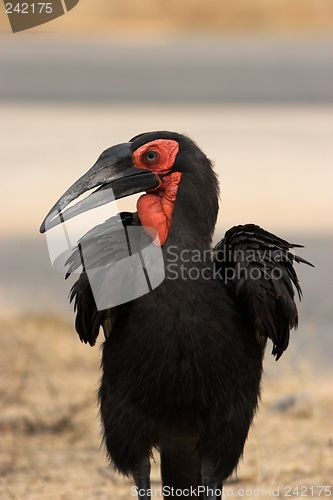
[113, 169]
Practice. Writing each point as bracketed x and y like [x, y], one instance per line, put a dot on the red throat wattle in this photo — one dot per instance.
[156, 207]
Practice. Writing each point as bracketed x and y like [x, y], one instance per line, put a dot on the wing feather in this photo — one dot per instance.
[258, 266]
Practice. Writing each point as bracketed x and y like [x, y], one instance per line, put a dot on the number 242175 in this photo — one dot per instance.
[29, 8]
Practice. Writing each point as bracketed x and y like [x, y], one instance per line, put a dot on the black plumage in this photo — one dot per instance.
[182, 364]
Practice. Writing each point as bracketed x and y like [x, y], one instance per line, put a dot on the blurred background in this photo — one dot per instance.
[250, 82]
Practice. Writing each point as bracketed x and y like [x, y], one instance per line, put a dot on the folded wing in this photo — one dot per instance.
[258, 268]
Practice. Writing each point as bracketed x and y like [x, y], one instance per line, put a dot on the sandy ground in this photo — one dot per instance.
[50, 431]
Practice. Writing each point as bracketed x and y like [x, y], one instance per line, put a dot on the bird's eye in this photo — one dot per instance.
[151, 156]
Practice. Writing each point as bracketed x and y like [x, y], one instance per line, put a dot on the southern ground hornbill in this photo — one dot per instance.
[181, 364]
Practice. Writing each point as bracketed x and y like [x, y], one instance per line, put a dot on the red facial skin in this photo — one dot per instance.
[155, 208]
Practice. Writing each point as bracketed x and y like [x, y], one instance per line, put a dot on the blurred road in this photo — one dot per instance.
[233, 70]
[274, 162]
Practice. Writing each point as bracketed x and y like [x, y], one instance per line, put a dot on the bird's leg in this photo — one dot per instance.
[213, 489]
[213, 486]
[141, 476]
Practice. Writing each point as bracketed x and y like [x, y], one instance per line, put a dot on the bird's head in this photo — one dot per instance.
[180, 186]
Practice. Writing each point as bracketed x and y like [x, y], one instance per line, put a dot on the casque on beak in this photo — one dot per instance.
[113, 169]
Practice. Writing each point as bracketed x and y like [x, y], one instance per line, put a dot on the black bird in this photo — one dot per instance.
[181, 364]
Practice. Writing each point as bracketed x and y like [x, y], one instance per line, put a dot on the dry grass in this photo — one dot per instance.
[50, 433]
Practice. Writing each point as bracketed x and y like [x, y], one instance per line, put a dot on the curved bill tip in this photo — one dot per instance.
[112, 179]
